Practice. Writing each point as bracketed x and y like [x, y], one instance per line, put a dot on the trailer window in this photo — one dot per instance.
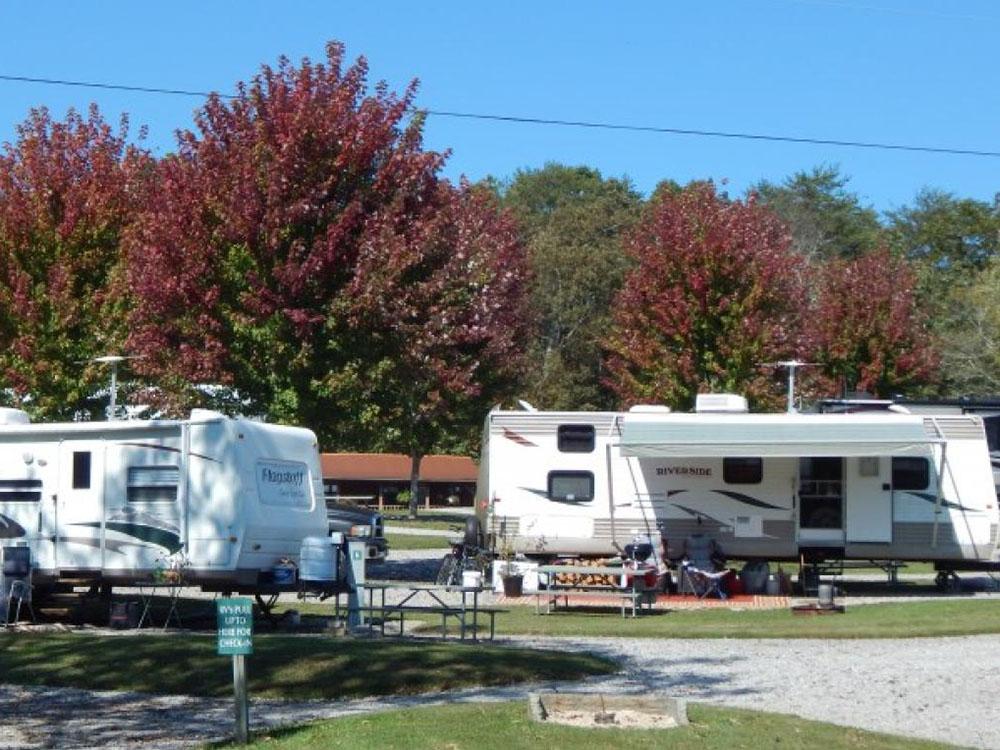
[576, 438]
[742, 470]
[152, 484]
[81, 470]
[571, 486]
[20, 490]
[910, 473]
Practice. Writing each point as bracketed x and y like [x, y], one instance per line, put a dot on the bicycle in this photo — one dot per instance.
[466, 554]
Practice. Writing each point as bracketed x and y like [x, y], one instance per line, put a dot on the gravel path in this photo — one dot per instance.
[936, 688]
[941, 689]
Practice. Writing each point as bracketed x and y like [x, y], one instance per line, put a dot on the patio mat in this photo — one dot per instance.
[664, 601]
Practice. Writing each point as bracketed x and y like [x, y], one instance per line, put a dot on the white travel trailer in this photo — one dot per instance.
[110, 502]
[874, 486]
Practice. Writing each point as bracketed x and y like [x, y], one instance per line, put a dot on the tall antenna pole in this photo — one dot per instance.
[791, 386]
[113, 360]
[112, 402]
[791, 365]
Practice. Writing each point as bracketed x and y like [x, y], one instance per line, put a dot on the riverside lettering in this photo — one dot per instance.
[689, 471]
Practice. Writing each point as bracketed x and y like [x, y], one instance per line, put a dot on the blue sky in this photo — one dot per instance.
[918, 72]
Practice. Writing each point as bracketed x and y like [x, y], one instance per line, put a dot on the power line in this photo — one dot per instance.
[719, 134]
[735, 135]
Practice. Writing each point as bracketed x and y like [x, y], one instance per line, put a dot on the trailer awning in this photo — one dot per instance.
[776, 435]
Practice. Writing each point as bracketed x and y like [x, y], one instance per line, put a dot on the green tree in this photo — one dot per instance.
[572, 221]
[970, 357]
[950, 242]
[825, 219]
[947, 235]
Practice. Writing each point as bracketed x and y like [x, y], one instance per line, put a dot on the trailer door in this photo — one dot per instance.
[868, 499]
[79, 506]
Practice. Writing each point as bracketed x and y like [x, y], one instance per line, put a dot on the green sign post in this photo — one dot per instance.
[235, 634]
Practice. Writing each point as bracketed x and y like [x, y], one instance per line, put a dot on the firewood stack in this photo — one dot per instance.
[583, 578]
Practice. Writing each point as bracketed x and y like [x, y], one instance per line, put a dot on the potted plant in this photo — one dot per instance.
[513, 581]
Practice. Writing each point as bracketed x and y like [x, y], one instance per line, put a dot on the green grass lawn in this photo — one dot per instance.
[903, 620]
[280, 667]
[433, 519]
[909, 620]
[410, 541]
[486, 726]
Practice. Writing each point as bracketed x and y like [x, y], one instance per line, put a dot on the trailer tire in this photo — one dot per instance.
[473, 532]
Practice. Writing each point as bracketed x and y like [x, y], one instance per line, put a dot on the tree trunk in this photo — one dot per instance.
[414, 483]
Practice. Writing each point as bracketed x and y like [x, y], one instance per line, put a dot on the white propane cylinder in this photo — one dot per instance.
[318, 559]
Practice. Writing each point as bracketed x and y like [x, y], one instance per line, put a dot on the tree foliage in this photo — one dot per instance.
[970, 355]
[68, 192]
[947, 234]
[715, 292]
[572, 220]
[872, 334]
[304, 253]
[826, 219]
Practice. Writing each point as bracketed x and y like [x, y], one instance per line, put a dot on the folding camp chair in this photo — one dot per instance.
[702, 583]
[699, 568]
[15, 582]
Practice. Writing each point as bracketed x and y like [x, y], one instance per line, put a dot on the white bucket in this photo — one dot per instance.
[472, 579]
[317, 559]
[825, 595]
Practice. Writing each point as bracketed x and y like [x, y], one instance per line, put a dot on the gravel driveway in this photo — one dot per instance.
[941, 688]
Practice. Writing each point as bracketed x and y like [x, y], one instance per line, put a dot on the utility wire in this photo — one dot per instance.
[561, 123]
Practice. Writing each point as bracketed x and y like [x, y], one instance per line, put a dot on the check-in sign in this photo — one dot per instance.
[235, 626]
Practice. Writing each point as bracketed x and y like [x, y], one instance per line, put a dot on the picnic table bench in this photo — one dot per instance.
[427, 598]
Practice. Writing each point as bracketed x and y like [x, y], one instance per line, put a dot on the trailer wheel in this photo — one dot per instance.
[473, 532]
[947, 580]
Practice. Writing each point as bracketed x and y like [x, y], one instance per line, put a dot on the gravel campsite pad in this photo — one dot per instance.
[942, 689]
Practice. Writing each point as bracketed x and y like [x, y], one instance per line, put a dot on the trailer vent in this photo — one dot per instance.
[720, 403]
[14, 416]
[152, 484]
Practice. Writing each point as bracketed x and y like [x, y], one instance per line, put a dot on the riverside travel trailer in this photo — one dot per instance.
[872, 486]
[112, 502]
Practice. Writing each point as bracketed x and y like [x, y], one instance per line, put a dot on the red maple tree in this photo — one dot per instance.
[871, 333]
[304, 252]
[714, 293]
[68, 192]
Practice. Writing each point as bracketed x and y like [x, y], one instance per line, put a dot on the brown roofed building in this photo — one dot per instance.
[378, 478]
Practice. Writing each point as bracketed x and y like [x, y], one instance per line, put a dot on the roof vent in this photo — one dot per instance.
[720, 403]
[649, 409]
[14, 416]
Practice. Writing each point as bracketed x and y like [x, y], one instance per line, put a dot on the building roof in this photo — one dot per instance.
[396, 467]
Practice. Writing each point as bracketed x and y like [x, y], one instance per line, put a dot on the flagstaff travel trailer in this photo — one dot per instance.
[873, 486]
[111, 502]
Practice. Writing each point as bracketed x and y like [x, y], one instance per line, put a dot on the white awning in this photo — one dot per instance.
[776, 435]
